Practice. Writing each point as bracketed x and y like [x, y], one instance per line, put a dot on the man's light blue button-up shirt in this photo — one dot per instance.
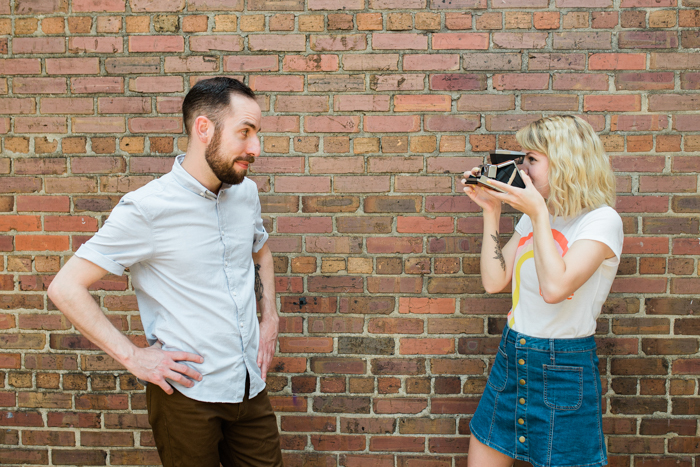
[190, 256]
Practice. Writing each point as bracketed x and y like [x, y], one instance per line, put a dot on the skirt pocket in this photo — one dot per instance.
[499, 373]
[563, 387]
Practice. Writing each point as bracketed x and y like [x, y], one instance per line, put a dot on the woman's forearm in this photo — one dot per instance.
[494, 275]
[549, 263]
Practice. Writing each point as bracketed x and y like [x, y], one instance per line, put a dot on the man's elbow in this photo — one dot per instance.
[54, 292]
[57, 292]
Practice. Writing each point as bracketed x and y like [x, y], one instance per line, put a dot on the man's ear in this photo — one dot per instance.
[203, 129]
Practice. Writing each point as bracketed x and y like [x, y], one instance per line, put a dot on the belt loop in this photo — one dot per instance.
[552, 353]
[505, 336]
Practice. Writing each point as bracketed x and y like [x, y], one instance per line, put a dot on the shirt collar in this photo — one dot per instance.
[190, 183]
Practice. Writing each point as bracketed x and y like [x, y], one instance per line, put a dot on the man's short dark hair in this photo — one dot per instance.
[211, 98]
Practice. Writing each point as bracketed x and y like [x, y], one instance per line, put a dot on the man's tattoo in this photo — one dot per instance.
[258, 284]
[499, 253]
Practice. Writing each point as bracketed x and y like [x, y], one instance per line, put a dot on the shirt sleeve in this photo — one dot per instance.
[260, 235]
[603, 225]
[124, 239]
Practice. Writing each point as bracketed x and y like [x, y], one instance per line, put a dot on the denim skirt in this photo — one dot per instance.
[542, 402]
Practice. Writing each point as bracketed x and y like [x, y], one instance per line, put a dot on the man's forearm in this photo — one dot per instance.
[76, 303]
[265, 283]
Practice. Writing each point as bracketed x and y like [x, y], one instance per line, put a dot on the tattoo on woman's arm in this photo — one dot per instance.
[258, 284]
[499, 253]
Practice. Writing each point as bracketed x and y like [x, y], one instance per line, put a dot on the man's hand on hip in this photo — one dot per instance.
[269, 327]
[155, 365]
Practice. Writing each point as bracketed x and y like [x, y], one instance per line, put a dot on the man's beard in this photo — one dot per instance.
[224, 171]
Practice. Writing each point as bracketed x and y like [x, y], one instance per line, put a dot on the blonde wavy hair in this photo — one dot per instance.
[580, 176]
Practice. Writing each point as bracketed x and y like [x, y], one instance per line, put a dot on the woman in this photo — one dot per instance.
[542, 402]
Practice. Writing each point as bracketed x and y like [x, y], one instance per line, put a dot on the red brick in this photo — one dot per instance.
[97, 85]
[41, 242]
[99, 6]
[40, 125]
[20, 66]
[425, 346]
[397, 245]
[395, 82]
[424, 225]
[401, 41]
[352, 103]
[395, 164]
[338, 442]
[458, 82]
[615, 103]
[216, 43]
[521, 81]
[104, 45]
[520, 40]
[156, 84]
[422, 103]
[277, 42]
[43, 203]
[580, 81]
[20, 223]
[615, 61]
[648, 39]
[68, 105]
[336, 165]
[285, 83]
[486, 102]
[72, 66]
[391, 124]
[332, 124]
[251, 63]
[396, 444]
[373, 62]
[339, 42]
[413, 62]
[644, 81]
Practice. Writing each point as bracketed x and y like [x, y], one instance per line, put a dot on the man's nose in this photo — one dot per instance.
[254, 147]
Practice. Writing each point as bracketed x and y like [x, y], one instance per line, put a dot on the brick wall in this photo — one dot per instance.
[372, 109]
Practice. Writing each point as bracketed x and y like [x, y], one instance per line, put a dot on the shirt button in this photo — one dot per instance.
[522, 341]
[521, 361]
[234, 294]
[522, 400]
[522, 439]
[521, 421]
[522, 382]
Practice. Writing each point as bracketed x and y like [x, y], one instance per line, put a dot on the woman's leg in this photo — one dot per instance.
[481, 455]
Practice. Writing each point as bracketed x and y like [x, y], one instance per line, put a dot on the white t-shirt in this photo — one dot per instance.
[576, 316]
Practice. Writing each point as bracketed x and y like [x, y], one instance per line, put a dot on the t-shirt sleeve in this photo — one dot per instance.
[124, 239]
[524, 226]
[603, 225]
[260, 235]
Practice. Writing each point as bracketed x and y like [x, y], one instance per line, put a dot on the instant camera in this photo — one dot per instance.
[503, 167]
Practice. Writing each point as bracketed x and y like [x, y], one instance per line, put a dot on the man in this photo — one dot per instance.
[195, 245]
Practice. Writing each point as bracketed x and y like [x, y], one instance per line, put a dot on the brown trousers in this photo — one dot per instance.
[190, 433]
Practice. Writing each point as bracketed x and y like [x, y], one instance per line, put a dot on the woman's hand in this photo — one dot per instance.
[526, 200]
[481, 196]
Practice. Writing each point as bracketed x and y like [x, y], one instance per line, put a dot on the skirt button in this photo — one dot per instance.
[521, 421]
[521, 361]
[522, 400]
[522, 439]
[522, 382]
[522, 341]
